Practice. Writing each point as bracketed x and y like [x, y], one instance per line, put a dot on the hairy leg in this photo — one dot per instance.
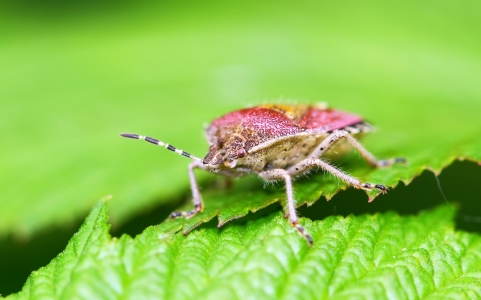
[281, 174]
[338, 135]
[309, 163]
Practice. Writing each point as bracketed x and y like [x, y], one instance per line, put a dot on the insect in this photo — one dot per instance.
[278, 143]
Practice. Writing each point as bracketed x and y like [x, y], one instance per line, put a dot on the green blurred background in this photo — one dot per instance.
[75, 74]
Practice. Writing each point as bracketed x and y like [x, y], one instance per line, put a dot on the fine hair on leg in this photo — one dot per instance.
[309, 163]
[337, 135]
[281, 174]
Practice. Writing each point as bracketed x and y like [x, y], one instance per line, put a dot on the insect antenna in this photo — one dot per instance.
[159, 143]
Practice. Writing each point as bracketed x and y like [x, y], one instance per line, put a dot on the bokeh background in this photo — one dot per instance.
[74, 74]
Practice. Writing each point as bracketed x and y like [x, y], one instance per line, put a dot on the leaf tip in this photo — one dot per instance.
[372, 195]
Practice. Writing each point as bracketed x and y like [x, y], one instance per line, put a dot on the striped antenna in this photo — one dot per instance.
[159, 143]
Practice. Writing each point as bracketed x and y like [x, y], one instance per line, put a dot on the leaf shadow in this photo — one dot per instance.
[459, 182]
[21, 256]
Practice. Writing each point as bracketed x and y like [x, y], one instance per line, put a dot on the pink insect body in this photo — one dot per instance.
[277, 143]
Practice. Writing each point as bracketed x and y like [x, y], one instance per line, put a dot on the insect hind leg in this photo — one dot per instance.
[338, 135]
[307, 164]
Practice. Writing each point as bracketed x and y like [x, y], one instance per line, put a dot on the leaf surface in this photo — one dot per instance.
[381, 256]
[69, 88]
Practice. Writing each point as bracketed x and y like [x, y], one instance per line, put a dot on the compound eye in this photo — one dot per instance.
[212, 147]
[241, 153]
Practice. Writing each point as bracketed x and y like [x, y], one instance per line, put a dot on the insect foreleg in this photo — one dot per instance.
[307, 164]
[281, 174]
[337, 135]
[196, 198]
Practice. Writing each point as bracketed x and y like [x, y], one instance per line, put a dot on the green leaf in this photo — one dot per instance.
[381, 256]
[75, 76]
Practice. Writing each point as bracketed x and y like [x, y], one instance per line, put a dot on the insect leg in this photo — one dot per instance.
[337, 135]
[307, 164]
[281, 174]
[196, 198]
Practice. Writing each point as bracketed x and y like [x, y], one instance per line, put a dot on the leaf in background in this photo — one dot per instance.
[382, 256]
[72, 79]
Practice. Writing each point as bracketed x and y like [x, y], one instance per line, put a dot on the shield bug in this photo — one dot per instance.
[278, 143]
